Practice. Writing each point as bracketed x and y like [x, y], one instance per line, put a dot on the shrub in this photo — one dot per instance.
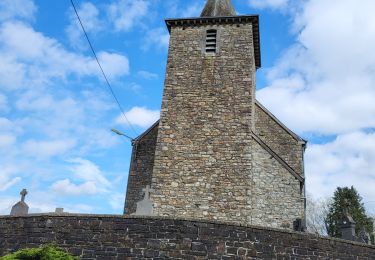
[49, 252]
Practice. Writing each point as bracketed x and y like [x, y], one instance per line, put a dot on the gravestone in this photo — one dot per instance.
[364, 237]
[20, 208]
[145, 206]
[347, 226]
[59, 211]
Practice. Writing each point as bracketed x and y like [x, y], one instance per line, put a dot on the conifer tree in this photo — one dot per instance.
[347, 198]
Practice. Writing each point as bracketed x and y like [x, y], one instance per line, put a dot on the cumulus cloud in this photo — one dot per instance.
[6, 183]
[3, 103]
[126, 13]
[7, 140]
[139, 116]
[146, 75]
[45, 59]
[88, 171]
[346, 161]
[117, 201]
[114, 65]
[41, 202]
[87, 174]
[6, 204]
[274, 4]
[193, 10]
[6, 124]
[323, 85]
[7, 178]
[65, 187]
[47, 149]
[89, 15]
[19, 9]
[325, 82]
[158, 37]
[59, 110]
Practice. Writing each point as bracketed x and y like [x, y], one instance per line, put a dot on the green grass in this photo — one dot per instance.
[49, 252]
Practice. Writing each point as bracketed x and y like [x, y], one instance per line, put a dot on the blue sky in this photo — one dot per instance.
[317, 76]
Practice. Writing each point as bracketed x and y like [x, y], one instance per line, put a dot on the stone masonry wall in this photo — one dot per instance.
[203, 152]
[278, 139]
[276, 197]
[115, 237]
[140, 173]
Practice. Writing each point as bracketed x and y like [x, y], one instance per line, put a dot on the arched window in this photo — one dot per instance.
[211, 41]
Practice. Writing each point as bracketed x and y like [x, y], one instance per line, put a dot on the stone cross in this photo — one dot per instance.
[147, 192]
[23, 194]
[145, 207]
[20, 208]
[347, 224]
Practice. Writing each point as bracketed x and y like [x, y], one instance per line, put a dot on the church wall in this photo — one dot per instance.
[276, 198]
[203, 153]
[96, 237]
[141, 167]
[279, 140]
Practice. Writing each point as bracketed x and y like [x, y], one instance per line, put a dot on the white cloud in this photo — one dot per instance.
[126, 13]
[87, 174]
[3, 103]
[178, 8]
[7, 140]
[193, 10]
[6, 204]
[45, 59]
[65, 187]
[346, 161]
[274, 4]
[42, 202]
[89, 177]
[89, 16]
[7, 178]
[117, 201]
[58, 110]
[147, 75]
[47, 149]
[6, 124]
[158, 37]
[140, 116]
[88, 171]
[10, 9]
[12, 73]
[10, 183]
[324, 85]
[325, 82]
[114, 65]
[6, 183]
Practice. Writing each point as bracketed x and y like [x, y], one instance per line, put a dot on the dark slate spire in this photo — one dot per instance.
[216, 8]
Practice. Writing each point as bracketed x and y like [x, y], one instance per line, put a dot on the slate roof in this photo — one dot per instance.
[216, 8]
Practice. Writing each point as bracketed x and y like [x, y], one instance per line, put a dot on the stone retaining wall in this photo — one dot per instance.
[117, 237]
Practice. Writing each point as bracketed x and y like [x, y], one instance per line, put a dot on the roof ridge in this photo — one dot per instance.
[147, 131]
[277, 157]
[294, 135]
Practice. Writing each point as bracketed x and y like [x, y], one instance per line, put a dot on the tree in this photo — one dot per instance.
[316, 213]
[49, 252]
[348, 198]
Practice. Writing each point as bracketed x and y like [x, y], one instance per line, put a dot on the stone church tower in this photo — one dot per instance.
[217, 153]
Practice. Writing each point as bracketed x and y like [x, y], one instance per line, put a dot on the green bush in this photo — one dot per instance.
[49, 252]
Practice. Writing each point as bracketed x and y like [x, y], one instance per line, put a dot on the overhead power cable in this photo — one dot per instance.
[101, 68]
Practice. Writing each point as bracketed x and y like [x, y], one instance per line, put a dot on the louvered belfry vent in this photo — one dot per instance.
[211, 41]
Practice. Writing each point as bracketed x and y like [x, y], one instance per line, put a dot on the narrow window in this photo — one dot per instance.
[211, 38]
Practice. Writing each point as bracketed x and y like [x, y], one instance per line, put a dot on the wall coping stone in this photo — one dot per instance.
[213, 222]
